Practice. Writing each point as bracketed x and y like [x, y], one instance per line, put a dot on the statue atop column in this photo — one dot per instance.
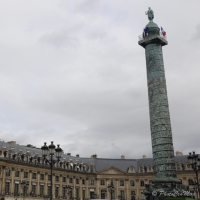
[150, 14]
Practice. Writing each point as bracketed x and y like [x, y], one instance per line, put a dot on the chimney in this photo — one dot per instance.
[11, 142]
[144, 157]
[68, 154]
[77, 155]
[29, 145]
[94, 156]
[123, 157]
[179, 153]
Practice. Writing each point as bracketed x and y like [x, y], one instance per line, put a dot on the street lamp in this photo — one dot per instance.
[51, 150]
[24, 186]
[69, 188]
[120, 197]
[94, 196]
[195, 163]
[132, 195]
[103, 192]
[111, 188]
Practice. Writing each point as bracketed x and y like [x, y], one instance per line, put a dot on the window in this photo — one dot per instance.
[103, 194]
[41, 190]
[70, 180]
[178, 167]
[102, 182]
[141, 183]
[77, 181]
[70, 194]
[83, 194]
[122, 194]
[133, 195]
[57, 178]
[64, 179]
[188, 166]
[149, 168]
[56, 191]
[22, 157]
[7, 187]
[132, 183]
[64, 192]
[0, 153]
[16, 173]
[190, 182]
[141, 169]
[121, 182]
[83, 181]
[91, 169]
[8, 172]
[77, 193]
[49, 191]
[91, 181]
[16, 190]
[33, 189]
[41, 176]
[49, 177]
[25, 174]
[34, 176]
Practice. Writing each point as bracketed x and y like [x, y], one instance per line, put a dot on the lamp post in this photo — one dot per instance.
[50, 150]
[103, 191]
[195, 163]
[94, 196]
[111, 188]
[69, 189]
[120, 197]
[24, 186]
[132, 195]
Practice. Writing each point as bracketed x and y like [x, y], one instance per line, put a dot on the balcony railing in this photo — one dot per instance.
[140, 37]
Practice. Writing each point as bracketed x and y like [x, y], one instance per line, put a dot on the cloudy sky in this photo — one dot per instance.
[72, 72]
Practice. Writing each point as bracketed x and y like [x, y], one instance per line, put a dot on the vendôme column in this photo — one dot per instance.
[161, 133]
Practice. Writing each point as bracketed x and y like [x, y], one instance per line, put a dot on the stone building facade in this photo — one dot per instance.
[88, 177]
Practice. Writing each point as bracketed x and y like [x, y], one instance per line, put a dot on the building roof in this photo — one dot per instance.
[99, 163]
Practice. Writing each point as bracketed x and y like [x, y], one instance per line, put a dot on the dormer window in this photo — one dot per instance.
[141, 169]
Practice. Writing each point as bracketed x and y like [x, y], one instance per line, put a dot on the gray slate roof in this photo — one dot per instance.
[99, 163]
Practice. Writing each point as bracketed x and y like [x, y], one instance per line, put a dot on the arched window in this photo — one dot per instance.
[141, 183]
[132, 183]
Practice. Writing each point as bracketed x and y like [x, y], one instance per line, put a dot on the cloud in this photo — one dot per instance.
[198, 31]
[60, 38]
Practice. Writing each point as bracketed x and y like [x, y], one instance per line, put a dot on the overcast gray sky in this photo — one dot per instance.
[72, 72]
